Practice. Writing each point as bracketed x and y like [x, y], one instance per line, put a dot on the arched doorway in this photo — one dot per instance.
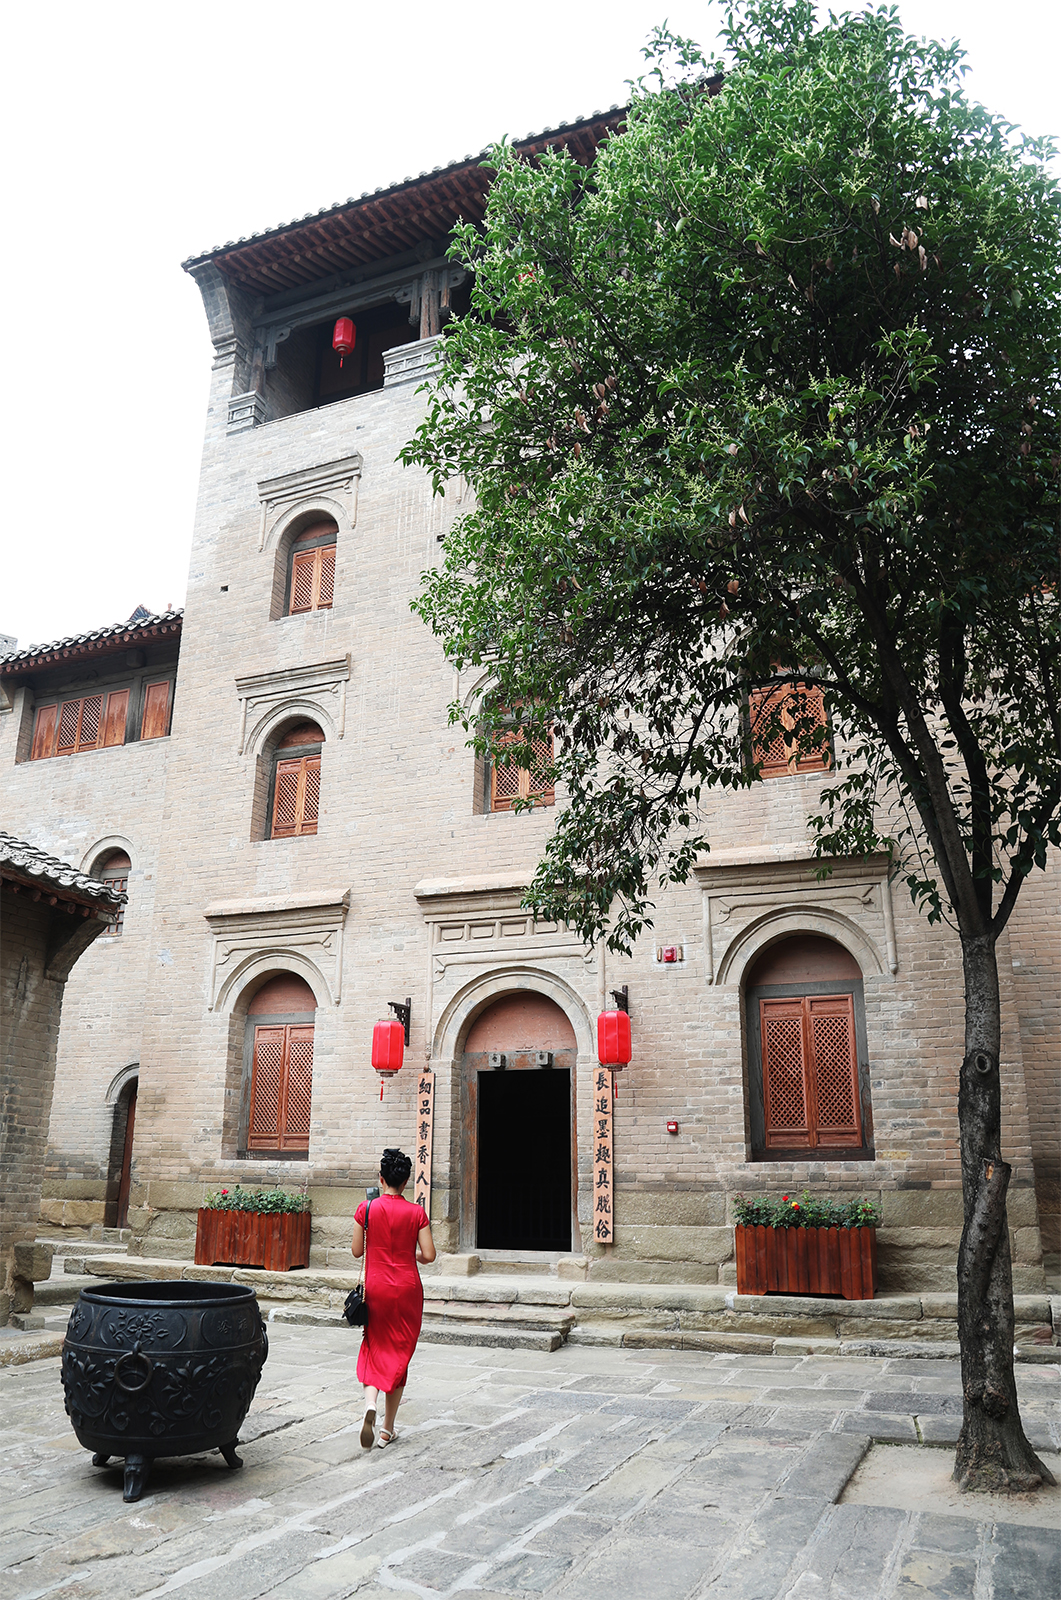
[120, 1162]
[518, 1070]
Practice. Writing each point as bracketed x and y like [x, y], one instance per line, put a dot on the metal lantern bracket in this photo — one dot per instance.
[621, 998]
[404, 1013]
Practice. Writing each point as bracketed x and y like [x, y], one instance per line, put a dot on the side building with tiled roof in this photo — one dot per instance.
[85, 746]
[51, 914]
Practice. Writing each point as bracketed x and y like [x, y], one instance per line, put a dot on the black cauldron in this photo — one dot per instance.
[161, 1369]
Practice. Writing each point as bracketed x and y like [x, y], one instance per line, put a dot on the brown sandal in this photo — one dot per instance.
[368, 1428]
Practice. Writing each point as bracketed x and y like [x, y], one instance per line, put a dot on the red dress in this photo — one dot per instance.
[393, 1290]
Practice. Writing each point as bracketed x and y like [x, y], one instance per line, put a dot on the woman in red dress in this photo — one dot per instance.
[399, 1235]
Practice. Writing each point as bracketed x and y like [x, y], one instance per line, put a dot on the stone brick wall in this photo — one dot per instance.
[1035, 965]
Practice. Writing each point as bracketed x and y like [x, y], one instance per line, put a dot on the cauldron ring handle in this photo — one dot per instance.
[135, 1354]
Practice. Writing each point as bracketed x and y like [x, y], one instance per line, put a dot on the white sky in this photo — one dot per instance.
[139, 134]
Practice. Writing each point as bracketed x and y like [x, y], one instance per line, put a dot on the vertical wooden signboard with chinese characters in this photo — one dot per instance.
[425, 1116]
[603, 1229]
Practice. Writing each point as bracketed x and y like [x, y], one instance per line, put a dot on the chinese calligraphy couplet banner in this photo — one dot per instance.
[425, 1117]
[603, 1228]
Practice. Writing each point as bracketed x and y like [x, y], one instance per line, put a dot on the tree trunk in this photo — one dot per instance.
[993, 1452]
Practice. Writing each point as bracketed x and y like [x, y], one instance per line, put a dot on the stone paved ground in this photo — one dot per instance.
[587, 1472]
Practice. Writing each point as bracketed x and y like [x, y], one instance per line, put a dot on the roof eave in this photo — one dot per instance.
[16, 666]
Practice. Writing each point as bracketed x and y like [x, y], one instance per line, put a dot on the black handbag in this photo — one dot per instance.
[355, 1309]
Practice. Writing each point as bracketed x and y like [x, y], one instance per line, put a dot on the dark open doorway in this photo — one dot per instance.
[127, 1162]
[119, 1166]
[524, 1144]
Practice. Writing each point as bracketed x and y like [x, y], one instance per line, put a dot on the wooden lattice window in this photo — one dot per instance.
[781, 720]
[312, 578]
[810, 1072]
[281, 1087]
[114, 870]
[297, 782]
[93, 722]
[510, 782]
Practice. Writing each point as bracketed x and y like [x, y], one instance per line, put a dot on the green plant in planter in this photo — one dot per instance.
[761, 1211]
[268, 1202]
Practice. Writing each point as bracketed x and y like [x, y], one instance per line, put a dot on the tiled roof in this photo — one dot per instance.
[390, 188]
[17, 858]
[387, 221]
[149, 626]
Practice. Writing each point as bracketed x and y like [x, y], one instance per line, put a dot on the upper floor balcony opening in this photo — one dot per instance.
[302, 369]
[272, 301]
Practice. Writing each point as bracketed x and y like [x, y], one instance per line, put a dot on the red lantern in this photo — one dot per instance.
[388, 1050]
[344, 337]
[613, 1039]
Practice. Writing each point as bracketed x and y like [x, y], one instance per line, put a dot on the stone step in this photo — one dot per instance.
[510, 1264]
[444, 1313]
[493, 1335]
[77, 1261]
[642, 1315]
[493, 1332]
[61, 1289]
[78, 1241]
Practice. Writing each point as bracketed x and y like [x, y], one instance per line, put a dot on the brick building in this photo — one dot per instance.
[309, 840]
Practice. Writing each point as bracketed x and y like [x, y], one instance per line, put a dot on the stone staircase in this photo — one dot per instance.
[68, 1275]
[524, 1309]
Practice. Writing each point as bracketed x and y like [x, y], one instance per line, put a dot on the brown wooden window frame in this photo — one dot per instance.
[518, 782]
[279, 1142]
[121, 713]
[312, 560]
[118, 878]
[156, 710]
[304, 763]
[770, 1143]
[780, 758]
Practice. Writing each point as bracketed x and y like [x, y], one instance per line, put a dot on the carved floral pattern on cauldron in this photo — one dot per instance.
[147, 1380]
[127, 1328]
[80, 1320]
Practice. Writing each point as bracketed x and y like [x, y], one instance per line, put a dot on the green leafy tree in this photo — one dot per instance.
[767, 395]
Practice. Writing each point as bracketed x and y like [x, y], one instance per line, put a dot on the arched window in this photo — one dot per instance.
[783, 724]
[278, 1068]
[296, 780]
[311, 569]
[114, 868]
[506, 781]
[807, 1058]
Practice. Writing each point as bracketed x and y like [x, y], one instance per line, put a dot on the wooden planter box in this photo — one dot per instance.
[807, 1261]
[278, 1241]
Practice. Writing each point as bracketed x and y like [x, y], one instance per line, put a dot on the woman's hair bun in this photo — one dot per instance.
[394, 1168]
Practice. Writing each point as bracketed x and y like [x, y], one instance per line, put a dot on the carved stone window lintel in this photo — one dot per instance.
[330, 480]
[748, 902]
[318, 690]
[300, 933]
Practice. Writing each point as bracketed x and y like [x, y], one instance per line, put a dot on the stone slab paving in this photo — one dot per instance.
[616, 1474]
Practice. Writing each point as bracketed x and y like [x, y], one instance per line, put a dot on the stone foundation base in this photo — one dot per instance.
[684, 1238]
